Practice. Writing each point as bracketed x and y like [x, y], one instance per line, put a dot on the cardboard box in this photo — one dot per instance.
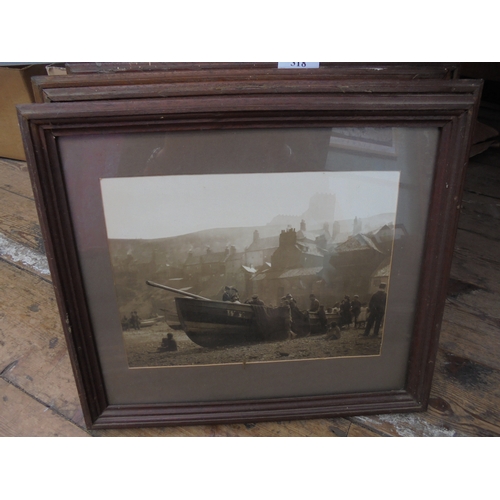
[15, 88]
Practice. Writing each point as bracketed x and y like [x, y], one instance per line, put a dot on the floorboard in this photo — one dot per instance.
[24, 416]
[34, 356]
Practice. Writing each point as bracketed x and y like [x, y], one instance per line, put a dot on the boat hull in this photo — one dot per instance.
[215, 323]
[145, 323]
[317, 326]
[172, 320]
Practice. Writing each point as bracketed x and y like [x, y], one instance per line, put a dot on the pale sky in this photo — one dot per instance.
[164, 206]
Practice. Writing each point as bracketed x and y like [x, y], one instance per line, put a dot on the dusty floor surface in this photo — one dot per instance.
[143, 348]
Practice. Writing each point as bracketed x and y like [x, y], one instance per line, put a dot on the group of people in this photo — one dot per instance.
[231, 294]
[349, 311]
[134, 322]
[371, 315]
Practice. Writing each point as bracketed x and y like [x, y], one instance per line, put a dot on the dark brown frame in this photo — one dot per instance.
[436, 70]
[103, 81]
[450, 105]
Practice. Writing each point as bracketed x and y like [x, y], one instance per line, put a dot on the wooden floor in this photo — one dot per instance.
[38, 396]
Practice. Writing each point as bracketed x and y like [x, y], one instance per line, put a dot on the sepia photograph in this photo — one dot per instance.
[252, 267]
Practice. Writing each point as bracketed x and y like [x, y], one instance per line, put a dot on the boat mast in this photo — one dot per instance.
[170, 289]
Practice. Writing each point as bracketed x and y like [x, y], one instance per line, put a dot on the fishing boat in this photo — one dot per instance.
[213, 323]
[172, 318]
[145, 323]
[216, 323]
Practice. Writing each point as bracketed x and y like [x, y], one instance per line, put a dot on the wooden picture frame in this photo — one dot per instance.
[73, 148]
[110, 81]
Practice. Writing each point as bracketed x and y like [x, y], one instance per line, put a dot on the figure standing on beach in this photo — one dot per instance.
[287, 315]
[355, 309]
[125, 323]
[376, 307]
[135, 321]
[345, 311]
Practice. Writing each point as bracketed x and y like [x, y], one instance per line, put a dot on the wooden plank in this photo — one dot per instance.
[482, 304]
[480, 214]
[464, 401]
[335, 427]
[480, 203]
[34, 356]
[465, 396]
[488, 158]
[20, 236]
[466, 383]
[359, 431]
[24, 257]
[480, 247]
[469, 270]
[14, 178]
[23, 416]
[476, 260]
[19, 220]
[484, 179]
[471, 336]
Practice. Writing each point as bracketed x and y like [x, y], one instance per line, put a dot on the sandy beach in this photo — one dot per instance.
[143, 348]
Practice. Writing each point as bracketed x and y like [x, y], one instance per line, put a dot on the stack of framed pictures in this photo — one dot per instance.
[111, 81]
[245, 243]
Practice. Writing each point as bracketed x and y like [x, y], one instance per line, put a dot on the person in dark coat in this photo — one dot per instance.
[355, 309]
[291, 300]
[125, 323]
[135, 321]
[323, 321]
[230, 294]
[345, 311]
[376, 308]
[287, 316]
[234, 295]
[314, 305]
[226, 296]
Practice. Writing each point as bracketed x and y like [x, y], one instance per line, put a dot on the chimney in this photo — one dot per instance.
[302, 225]
[256, 236]
[288, 238]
